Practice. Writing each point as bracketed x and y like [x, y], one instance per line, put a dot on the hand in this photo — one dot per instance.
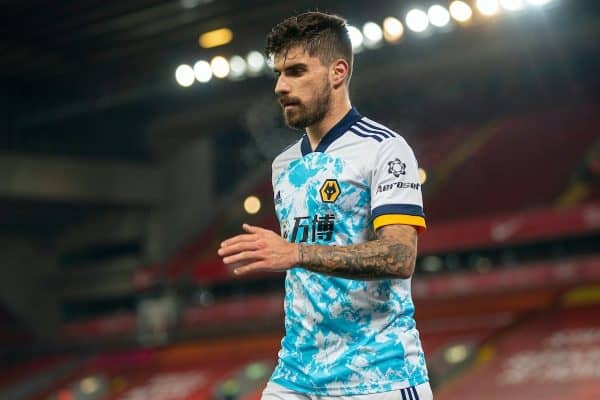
[258, 250]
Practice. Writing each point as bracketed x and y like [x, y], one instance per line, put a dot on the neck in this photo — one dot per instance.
[337, 111]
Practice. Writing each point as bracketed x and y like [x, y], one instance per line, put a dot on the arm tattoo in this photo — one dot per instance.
[391, 255]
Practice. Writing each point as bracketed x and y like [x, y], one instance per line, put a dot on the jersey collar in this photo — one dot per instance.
[334, 133]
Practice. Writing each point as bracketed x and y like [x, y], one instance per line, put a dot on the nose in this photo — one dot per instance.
[282, 87]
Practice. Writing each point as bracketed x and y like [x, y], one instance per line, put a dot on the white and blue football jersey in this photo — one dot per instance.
[345, 336]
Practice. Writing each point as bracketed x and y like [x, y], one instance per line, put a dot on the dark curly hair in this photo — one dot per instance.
[322, 35]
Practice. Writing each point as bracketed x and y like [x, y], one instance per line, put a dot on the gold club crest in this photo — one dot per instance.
[330, 191]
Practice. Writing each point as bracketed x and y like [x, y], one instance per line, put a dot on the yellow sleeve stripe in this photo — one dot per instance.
[391, 219]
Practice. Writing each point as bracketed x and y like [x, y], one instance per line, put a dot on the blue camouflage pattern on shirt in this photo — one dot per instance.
[343, 336]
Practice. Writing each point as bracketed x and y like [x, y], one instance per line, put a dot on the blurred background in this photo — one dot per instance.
[136, 135]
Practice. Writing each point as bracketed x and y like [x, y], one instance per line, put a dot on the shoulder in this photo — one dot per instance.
[376, 138]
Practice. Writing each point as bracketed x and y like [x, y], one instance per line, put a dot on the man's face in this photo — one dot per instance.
[302, 88]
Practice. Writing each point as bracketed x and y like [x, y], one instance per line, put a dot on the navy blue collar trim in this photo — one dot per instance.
[334, 133]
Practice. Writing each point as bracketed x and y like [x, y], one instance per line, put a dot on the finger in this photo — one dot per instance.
[252, 229]
[237, 248]
[252, 267]
[237, 265]
[238, 239]
[243, 256]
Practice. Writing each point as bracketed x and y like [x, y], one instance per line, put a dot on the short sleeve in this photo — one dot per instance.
[395, 189]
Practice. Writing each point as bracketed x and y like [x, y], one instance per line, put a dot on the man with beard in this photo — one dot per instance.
[350, 207]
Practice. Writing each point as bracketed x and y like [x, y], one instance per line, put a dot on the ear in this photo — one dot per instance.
[339, 72]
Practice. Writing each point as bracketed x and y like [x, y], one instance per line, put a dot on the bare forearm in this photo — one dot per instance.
[378, 259]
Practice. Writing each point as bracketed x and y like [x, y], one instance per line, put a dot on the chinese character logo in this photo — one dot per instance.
[309, 229]
[397, 167]
[330, 191]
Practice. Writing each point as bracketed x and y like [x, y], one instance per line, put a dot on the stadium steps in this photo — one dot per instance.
[193, 371]
[524, 167]
[459, 154]
[581, 186]
[552, 355]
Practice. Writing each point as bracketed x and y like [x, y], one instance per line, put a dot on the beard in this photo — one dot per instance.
[306, 114]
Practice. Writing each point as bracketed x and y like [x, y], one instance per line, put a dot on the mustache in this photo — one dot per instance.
[285, 100]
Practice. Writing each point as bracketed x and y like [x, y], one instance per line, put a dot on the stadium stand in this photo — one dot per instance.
[529, 162]
[523, 315]
[553, 354]
[209, 370]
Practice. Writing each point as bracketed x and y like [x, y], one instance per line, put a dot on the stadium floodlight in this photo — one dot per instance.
[392, 29]
[219, 67]
[256, 62]
[538, 2]
[252, 204]
[373, 34]
[184, 75]
[488, 7]
[417, 20]
[238, 67]
[511, 5]
[216, 38]
[438, 16]
[356, 37]
[460, 11]
[202, 71]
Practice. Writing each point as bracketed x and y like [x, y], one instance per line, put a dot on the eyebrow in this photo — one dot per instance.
[293, 66]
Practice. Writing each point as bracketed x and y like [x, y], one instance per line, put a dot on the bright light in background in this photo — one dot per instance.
[89, 385]
[432, 264]
[511, 5]
[252, 204]
[370, 36]
[256, 62]
[219, 67]
[422, 175]
[184, 75]
[456, 354]
[488, 7]
[230, 388]
[438, 16]
[257, 370]
[372, 33]
[237, 66]
[218, 37]
[392, 29]
[460, 11]
[202, 71]
[417, 20]
[356, 37]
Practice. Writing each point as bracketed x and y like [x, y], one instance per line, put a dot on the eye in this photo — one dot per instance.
[297, 71]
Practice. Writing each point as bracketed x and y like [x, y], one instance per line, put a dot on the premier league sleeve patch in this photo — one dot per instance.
[395, 188]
